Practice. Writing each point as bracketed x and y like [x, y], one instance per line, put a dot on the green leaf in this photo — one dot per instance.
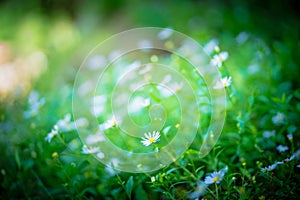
[17, 158]
[141, 193]
[129, 186]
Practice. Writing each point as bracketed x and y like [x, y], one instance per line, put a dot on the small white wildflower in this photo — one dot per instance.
[35, 103]
[278, 119]
[150, 138]
[269, 168]
[290, 136]
[52, 134]
[268, 134]
[224, 82]
[112, 122]
[290, 158]
[65, 124]
[298, 166]
[282, 148]
[215, 177]
[210, 46]
[218, 59]
[90, 150]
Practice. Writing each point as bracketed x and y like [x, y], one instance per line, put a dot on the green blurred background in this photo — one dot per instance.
[43, 43]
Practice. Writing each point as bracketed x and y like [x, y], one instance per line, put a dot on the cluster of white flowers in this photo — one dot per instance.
[35, 103]
[218, 60]
[295, 156]
[65, 125]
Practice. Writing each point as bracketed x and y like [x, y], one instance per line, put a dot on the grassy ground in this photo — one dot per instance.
[44, 44]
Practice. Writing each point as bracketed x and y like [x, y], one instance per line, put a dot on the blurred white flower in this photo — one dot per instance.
[94, 138]
[218, 59]
[242, 38]
[170, 88]
[278, 119]
[138, 103]
[215, 177]
[112, 122]
[35, 103]
[290, 136]
[65, 124]
[268, 168]
[100, 155]
[268, 134]
[98, 105]
[210, 46]
[165, 33]
[96, 62]
[52, 134]
[90, 150]
[224, 82]
[282, 148]
[150, 138]
[199, 191]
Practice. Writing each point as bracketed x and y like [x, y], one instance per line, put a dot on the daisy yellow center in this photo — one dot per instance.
[151, 140]
[113, 123]
[215, 179]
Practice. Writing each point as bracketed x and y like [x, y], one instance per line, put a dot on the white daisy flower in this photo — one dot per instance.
[215, 177]
[150, 138]
[218, 59]
[90, 150]
[224, 82]
[282, 148]
[278, 119]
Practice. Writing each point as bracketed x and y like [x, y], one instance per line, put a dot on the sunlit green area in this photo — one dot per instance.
[254, 45]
